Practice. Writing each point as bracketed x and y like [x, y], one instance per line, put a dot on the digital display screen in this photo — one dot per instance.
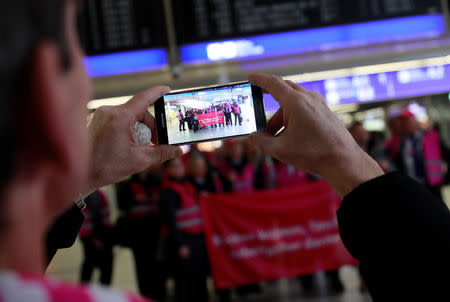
[317, 39]
[209, 114]
[378, 87]
[208, 20]
[107, 26]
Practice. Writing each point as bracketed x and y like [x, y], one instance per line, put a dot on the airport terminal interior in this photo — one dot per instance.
[382, 66]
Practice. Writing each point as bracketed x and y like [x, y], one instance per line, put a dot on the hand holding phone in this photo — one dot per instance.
[211, 113]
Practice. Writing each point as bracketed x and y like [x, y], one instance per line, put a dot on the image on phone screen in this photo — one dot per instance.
[209, 114]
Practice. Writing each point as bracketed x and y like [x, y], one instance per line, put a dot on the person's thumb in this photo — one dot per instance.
[264, 142]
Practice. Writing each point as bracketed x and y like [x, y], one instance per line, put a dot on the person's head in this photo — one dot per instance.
[361, 136]
[179, 110]
[44, 89]
[409, 122]
[175, 168]
[198, 167]
[395, 125]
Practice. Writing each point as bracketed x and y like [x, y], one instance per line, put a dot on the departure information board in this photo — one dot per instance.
[405, 83]
[108, 26]
[208, 20]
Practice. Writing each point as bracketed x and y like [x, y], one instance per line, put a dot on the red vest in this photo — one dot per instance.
[289, 176]
[149, 207]
[87, 227]
[432, 157]
[189, 216]
[237, 109]
[393, 146]
[218, 184]
[245, 179]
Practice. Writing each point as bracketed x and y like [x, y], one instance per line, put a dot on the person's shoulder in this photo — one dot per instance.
[15, 287]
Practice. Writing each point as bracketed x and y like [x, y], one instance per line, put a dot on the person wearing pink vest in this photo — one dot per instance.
[287, 176]
[420, 154]
[239, 176]
[238, 172]
[183, 218]
[139, 229]
[181, 120]
[237, 114]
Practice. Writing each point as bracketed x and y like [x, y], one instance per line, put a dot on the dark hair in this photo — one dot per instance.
[23, 25]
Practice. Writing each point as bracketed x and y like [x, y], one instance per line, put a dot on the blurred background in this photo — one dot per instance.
[383, 66]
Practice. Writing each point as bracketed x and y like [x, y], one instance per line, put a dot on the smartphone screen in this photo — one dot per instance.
[211, 113]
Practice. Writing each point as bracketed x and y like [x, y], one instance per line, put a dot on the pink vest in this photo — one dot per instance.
[393, 146]
[244, 180]
[433, 158]
[180, 116]
[237, 109]
[149, 207]
[288, 176]
[189, 216]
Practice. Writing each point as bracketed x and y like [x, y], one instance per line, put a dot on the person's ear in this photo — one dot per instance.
[44, 130]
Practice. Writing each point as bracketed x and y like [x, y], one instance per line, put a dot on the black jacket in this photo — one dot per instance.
[63, 233]
[400, 232]
[169, 203]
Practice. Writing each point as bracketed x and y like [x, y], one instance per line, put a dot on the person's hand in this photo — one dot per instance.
[306, 134]
[184, 252]
[115, 155]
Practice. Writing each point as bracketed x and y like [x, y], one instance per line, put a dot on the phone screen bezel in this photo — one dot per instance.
[161, 123]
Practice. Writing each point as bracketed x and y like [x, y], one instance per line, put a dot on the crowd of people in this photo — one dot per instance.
[165, 203]
[191, 116]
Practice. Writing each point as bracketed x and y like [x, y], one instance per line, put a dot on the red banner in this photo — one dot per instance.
[212, 118]
[273, 234]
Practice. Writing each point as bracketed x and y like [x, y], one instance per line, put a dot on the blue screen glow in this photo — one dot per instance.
[302, 41]
[126, 62]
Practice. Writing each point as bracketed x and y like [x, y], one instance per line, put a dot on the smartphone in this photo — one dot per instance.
[210, 113]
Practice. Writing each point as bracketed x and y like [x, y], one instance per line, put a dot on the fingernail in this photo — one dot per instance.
[165, 91]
